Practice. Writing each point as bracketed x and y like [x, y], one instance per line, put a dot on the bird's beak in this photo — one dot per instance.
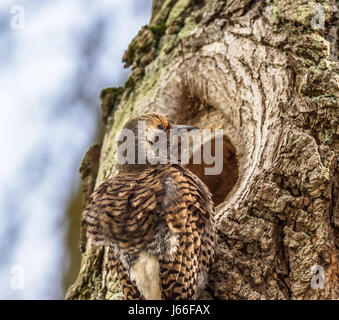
[182, 126]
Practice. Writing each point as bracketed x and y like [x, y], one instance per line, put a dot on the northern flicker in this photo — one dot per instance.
[158, 221]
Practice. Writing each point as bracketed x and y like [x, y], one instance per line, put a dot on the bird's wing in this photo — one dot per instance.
[122, 211]
[189, 210]
[204, 208]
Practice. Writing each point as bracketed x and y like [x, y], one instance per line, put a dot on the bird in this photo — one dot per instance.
[158, 221]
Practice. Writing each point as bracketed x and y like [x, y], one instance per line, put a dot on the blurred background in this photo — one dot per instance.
[55, 58]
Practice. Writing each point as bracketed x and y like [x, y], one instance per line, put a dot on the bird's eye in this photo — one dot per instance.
[161, 127]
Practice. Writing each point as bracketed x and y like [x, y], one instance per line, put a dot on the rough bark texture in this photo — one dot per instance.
[258, 70]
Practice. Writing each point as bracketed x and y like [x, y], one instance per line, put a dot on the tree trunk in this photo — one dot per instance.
[265, 73]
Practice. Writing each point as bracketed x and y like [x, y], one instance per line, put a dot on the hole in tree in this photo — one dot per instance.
[220, 185]
[197, 113]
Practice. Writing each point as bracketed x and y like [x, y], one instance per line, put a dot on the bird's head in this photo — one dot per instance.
[147, 134]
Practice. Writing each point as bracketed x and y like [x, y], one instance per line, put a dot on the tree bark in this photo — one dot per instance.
[260, 71]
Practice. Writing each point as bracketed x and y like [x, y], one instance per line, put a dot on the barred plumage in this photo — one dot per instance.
[158, 219]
